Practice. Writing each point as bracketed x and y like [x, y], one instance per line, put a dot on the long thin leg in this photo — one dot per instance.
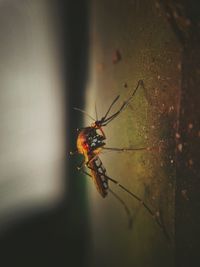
[125, 207]
[124, 188]
[92, 159]
[86, 173]
[124, 105]
[118, 198]
[114, 101]
[81, 165]
[130, 193]
[157, 218]
[125, 149]
[153, 214]
[84, 163]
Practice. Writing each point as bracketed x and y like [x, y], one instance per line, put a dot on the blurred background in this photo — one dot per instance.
[43, 54]
[56, 55]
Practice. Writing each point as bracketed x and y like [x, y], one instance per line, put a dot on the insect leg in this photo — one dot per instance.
[84, 172]
[125, 149]
[153, 214]
[124, 105]
[114, 101]
[82, 163]
[125, 207]
[85, 163]
[117, 197]
[89, 161]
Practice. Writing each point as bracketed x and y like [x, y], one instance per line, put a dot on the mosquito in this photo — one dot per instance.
[91, 142]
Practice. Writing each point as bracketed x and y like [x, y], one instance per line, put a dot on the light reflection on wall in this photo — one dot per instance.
[32, 141]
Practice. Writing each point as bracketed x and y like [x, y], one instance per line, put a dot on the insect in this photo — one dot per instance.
[91, 141]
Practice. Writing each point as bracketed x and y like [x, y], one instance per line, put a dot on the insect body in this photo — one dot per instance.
[91, 142]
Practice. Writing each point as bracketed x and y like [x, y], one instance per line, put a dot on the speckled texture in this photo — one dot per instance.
[148, 51]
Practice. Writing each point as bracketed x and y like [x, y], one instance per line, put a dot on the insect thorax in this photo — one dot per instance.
[90, 139]
[94, 139]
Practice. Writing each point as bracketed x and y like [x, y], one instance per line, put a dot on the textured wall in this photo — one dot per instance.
[147, 49]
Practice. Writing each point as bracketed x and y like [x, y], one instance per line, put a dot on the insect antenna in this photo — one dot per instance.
[96, 111]
[84, 112]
